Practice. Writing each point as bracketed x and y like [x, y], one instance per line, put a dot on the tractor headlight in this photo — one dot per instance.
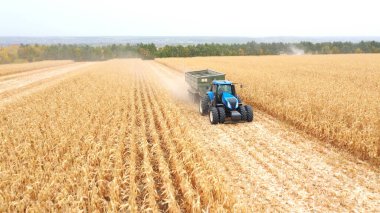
[236, 103]
[229, 105]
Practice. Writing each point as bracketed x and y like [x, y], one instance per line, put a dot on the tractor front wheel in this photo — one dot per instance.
[222, 114]
[243, 113]
[214, 115]
[249, 111]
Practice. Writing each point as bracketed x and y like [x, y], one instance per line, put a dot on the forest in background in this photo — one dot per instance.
[80, 52]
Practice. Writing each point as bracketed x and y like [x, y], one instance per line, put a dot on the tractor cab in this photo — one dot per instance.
[223, 93]
[219, 87]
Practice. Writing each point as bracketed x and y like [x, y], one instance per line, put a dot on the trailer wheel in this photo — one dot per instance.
[191, 97]
[243, 113]
[222, 114]
[203, 105]
[214, 117]
[249, 113]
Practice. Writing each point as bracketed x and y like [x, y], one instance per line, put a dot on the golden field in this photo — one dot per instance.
[121, 136]
[104, 141]
[333, 97]
[8, 69]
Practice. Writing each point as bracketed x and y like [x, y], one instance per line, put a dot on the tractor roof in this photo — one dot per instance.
[219, 82]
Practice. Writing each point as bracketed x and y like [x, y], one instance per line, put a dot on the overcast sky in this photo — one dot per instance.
[248, 18]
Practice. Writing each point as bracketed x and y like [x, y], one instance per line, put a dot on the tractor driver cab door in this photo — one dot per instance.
[214, 89]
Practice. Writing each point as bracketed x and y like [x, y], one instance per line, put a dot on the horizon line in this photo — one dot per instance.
[210, 36]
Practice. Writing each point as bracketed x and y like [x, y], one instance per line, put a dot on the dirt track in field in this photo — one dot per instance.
[269, 164]
[20, 84]
[266, 163]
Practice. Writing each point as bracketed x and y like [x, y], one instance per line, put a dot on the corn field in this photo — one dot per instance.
[109, 141]
[122, 136]
[9, 69]
[333, 97]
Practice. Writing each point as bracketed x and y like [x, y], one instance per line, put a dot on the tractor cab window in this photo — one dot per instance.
[213, 88]
[224, 88]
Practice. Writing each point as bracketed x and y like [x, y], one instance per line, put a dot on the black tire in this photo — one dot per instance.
[243, 113]
[250, 115]
[204, 105]
[214, 115]
[222, 114]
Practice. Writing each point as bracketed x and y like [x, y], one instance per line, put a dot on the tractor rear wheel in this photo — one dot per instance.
[222, 114]
[249, 113]
[243, 113]
[204, 105]
[214, 116]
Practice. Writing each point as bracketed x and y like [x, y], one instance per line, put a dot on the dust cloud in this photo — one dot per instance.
[296, 51]
[173, 81]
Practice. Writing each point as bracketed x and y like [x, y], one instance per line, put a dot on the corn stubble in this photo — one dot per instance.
[109, 139]
[333, 97]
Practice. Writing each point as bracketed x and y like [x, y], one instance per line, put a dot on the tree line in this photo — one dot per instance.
[253, 48]
[78, 52]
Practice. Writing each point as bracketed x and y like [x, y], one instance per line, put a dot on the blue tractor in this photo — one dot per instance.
[217, 97]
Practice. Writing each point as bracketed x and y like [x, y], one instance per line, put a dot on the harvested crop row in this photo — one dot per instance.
[270, 165]
[335, 98]
[109, 139]
[8, 69]
[208, 186]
